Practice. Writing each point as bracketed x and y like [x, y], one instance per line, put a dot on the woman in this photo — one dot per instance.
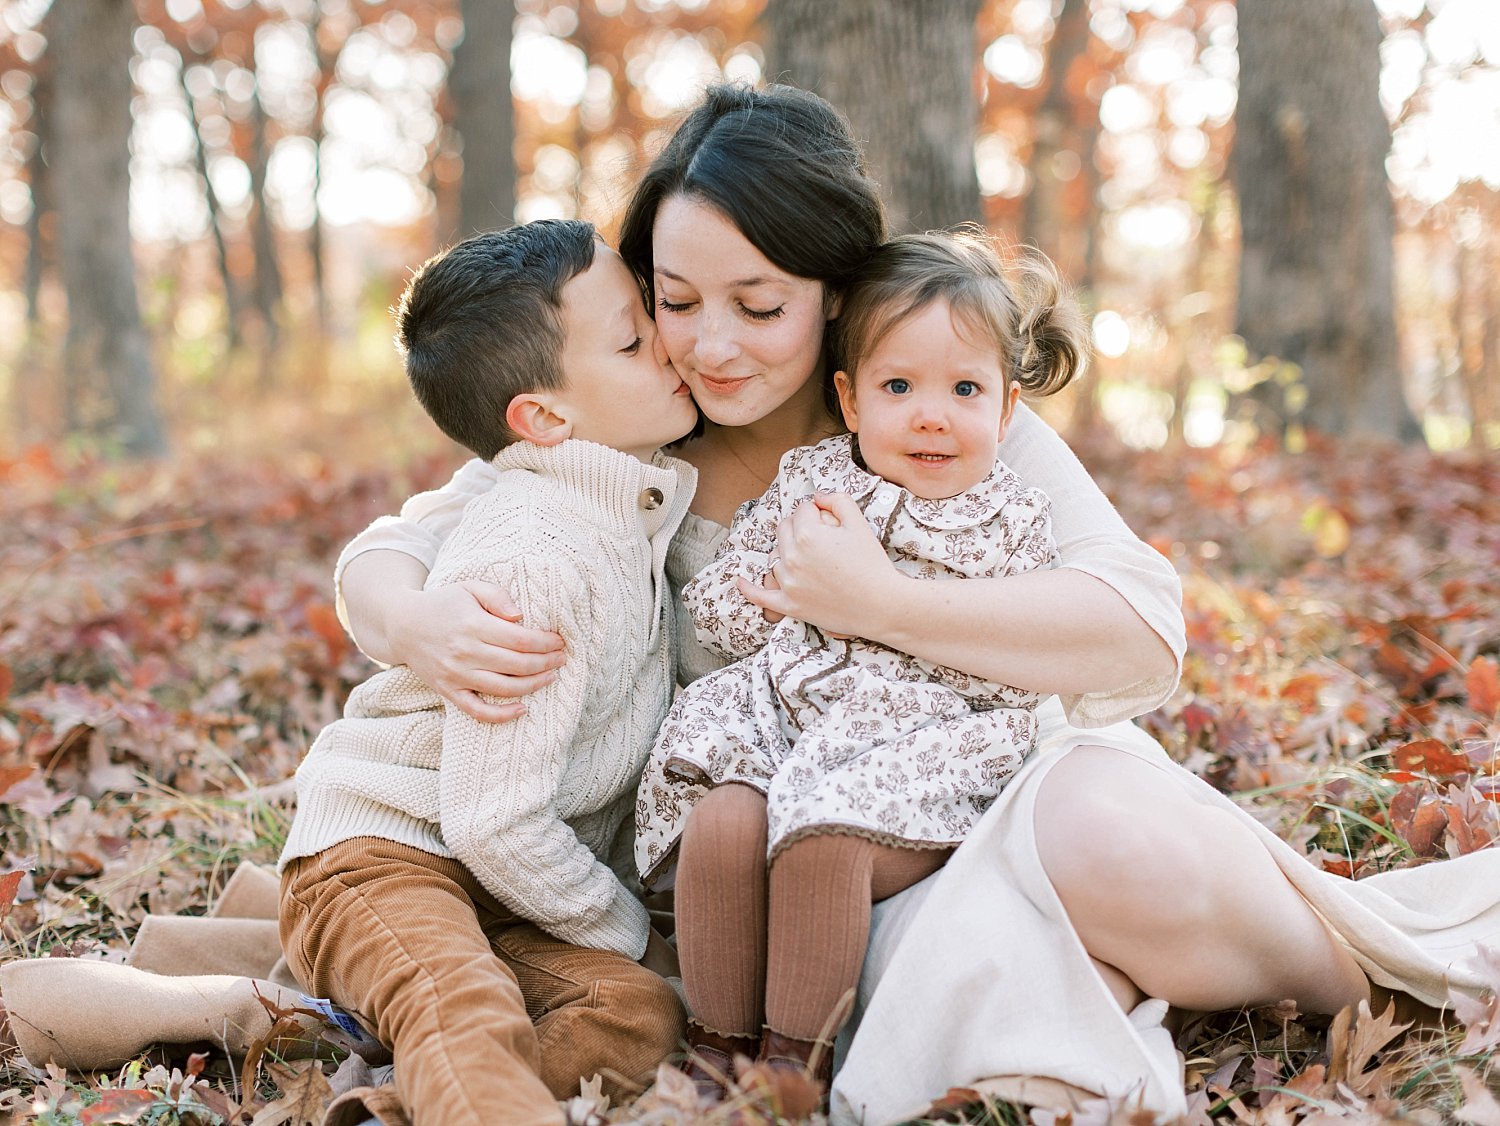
[1104, 875]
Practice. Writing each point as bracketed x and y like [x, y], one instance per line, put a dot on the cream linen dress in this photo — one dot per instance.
[844, 735]
[976, 973]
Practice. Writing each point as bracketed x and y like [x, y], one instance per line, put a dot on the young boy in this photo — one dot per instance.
[444, 879]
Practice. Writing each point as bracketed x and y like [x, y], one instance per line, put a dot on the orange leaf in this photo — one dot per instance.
[7, 681]
[12, 775]
[118, 1105]
[324, 622]
[1483, 683]
[1431, 757]
[9, 884]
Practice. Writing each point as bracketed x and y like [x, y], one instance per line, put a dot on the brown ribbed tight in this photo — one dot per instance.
[781, 949]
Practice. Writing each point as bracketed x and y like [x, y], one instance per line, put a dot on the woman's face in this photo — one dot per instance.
[745, 335]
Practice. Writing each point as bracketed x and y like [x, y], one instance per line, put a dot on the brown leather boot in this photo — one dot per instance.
[792, 1075]
[710, 1059]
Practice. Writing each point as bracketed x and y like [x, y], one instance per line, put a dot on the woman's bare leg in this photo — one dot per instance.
[1179, 897]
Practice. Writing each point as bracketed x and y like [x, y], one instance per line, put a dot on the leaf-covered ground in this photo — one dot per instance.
[168, 648]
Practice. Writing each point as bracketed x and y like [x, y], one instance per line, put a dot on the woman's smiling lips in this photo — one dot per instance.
[721, 385]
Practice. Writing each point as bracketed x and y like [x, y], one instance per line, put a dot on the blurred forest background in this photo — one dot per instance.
[1283, 217]
[1278, 217]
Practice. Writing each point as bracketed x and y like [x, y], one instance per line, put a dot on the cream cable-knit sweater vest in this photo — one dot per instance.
[578, 534]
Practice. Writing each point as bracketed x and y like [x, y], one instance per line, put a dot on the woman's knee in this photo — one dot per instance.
[1119, 841]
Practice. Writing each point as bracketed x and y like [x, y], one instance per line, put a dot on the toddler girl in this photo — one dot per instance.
[819, 773]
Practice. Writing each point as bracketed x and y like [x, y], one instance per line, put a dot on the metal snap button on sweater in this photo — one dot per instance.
[651, 498]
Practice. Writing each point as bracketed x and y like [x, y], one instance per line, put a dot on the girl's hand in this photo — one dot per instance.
[465, 642]
[767, 582]
[831, 570]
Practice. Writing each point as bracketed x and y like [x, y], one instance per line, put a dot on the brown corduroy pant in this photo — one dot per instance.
[490, 1019]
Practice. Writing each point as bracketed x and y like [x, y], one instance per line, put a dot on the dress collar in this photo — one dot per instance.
[835, 467]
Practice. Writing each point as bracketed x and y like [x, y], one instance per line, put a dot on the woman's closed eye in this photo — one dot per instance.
[763, 314]
[671, 306]
[632, 348]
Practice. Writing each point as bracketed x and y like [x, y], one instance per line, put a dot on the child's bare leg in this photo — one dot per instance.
[721, 910]
[1180, 897]
[821, 890]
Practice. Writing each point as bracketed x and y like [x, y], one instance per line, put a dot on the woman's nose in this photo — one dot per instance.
[716, 344]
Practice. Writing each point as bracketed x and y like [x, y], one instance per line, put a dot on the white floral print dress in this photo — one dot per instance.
[847, 736]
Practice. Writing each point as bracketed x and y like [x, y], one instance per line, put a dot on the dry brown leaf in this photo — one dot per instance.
[1353, 1044]
[305, 1096]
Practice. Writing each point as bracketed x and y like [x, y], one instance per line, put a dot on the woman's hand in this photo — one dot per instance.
[830, 569]
[465, 642]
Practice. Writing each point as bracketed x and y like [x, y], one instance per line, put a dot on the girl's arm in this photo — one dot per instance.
[1104, 629]
[460, 640]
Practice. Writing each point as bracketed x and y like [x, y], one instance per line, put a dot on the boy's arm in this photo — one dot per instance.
[727, 621]
[498, 785]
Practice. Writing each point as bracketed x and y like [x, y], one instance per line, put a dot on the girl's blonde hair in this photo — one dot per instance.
[1030, 319]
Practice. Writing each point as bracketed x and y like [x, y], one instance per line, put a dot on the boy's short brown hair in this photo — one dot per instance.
[1032, 323]
[481, 323]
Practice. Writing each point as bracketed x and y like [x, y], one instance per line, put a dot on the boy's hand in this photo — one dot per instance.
[659, 957]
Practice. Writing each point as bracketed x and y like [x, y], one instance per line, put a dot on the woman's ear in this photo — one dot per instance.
[833, 303]
[845, 387]
[535, 418]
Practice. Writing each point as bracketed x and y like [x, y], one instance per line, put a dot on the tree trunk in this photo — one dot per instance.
[233, 307]
[903, 72]
[107, 362]
[1316, 266]
[1046, 222]
[268, 287]
[327, 61]
[484, 118]
[41, 196]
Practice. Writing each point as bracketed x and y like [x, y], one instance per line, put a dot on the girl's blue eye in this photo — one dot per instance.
[965, 388]
[898, 386]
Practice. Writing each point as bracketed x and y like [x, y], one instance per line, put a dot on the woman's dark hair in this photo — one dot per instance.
[783, 166]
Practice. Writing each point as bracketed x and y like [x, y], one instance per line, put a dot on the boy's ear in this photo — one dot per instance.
[534, 418]
[1012, 396]
[845, 387]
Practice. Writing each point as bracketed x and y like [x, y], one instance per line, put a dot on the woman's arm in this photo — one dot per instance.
[460, 640]
[1104, 630]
